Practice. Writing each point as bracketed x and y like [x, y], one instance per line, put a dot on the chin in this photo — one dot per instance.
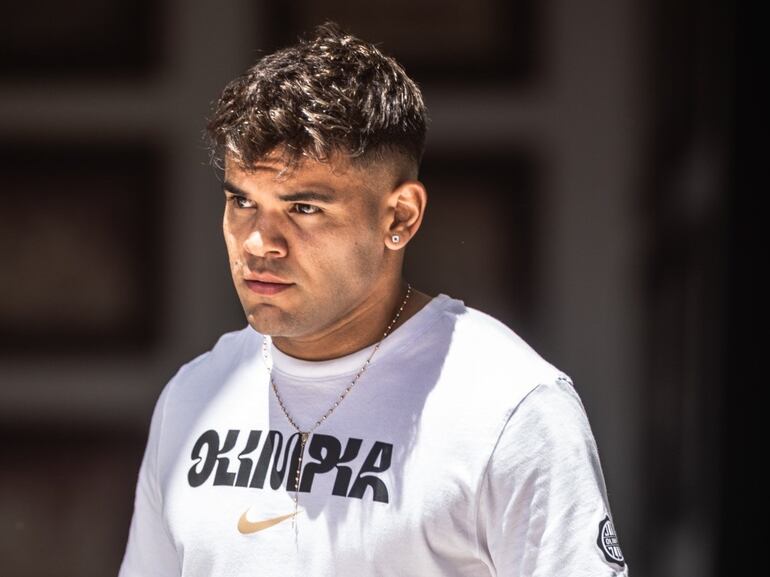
[270, 321]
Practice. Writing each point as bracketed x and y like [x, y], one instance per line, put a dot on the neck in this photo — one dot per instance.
[362, 327]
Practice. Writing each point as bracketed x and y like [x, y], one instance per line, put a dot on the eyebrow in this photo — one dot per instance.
[293, 197]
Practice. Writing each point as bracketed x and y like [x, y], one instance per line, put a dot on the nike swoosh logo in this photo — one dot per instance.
[246, 527]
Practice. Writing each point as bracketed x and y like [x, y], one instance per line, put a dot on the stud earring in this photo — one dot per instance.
[395, 238]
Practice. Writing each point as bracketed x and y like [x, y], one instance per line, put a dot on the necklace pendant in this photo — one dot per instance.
[304, 437]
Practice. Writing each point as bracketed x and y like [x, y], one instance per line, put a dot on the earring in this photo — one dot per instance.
[395, 238]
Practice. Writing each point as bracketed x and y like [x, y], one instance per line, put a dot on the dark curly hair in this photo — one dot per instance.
[328, 94]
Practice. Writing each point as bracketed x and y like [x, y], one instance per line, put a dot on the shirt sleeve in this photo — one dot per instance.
[543, 506]
[150, 550]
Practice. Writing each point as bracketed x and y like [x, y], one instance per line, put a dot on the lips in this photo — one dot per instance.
[266, 284]
[266, 278]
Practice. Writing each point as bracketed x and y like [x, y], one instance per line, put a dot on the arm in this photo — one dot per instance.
[543, 507]
[150, 550]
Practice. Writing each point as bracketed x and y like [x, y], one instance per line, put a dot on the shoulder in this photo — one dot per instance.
[553, 415]
[486, 369]
[227, 349]
[211, 367]
[548, 436]
[498, 358]
[548, 441]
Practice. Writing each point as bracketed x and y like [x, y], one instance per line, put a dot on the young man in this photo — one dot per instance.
[356, 426]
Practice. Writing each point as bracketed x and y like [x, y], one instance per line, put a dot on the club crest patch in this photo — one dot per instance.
[607, 540]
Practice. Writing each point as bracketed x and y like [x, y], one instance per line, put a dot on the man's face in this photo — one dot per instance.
[305, 249]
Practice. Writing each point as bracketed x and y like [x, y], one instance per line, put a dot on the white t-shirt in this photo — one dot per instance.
[459, 452]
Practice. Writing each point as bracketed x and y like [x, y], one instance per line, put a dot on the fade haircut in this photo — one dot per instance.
[333, 93]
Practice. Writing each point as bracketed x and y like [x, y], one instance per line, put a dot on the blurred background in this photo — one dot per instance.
[580, 173]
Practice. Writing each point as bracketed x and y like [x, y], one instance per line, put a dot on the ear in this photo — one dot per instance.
[406, 207]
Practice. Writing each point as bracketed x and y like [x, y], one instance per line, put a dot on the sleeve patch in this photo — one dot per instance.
[607, 540]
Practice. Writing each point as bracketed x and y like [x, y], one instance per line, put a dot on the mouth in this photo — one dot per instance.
[267, 285]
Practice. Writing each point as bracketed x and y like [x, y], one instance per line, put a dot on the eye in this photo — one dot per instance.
[306, 208]
[239, 201]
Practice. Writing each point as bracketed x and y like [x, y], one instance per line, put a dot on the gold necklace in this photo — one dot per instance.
[305, 434]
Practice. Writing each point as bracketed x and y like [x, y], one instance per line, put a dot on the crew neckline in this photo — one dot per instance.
[413, 326]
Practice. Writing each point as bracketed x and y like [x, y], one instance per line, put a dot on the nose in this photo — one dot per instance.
[265, 243]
